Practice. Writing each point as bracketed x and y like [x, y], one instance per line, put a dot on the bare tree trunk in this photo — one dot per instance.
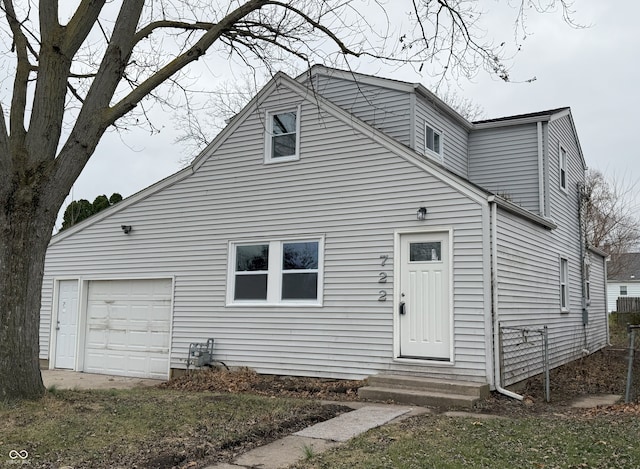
[25, 231]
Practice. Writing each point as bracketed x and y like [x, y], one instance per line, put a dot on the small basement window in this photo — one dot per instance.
[282, 142]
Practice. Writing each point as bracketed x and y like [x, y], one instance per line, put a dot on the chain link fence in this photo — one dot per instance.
[524, 352]
[634, 344]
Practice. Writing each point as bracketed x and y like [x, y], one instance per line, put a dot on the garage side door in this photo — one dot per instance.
[128, 324]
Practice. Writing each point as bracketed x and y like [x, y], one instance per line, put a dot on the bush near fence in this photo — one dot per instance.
[624, 318]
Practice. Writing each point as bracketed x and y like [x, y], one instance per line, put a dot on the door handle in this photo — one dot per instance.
[402, 309]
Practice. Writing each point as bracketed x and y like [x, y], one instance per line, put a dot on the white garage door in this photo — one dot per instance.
[128, 323]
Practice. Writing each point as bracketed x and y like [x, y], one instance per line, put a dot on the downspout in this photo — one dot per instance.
[583, 274]
[494, 301]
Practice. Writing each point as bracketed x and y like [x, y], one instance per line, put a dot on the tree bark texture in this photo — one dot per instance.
[25, 230]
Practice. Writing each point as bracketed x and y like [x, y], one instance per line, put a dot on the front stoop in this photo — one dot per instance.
[423, 391]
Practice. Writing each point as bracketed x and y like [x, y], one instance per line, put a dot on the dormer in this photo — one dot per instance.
[407, 112]
[529, 159]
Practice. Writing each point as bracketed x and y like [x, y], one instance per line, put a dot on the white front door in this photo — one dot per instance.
[424, 305]
[67, 324]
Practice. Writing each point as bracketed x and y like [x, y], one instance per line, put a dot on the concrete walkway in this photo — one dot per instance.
[309, 441]
[68, 379]
[321, 436]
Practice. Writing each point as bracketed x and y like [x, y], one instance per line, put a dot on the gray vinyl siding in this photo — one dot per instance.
[386, 109]
[529, 291]
[504, 160]
[347, 189]
[529, 263]
[454, 137]
[598, 316]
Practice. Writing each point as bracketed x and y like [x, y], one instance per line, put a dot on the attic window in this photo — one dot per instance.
[282, 142]
[433, 140]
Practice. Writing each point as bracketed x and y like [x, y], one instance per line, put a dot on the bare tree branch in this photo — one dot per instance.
[191, 55]
[80, 25]
[20, 82]
[609, 214]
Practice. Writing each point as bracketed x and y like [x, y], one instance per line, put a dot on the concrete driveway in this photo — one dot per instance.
[67, 379]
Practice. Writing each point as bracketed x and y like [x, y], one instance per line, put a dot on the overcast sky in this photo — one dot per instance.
[595, 71]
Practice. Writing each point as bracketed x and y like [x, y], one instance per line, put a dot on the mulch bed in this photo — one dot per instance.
[247, 380]
[603, 372]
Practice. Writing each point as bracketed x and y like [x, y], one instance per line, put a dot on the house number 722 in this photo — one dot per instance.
[382, 278]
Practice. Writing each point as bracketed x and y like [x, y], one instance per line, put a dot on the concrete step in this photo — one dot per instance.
[441, 386]
[418, 397]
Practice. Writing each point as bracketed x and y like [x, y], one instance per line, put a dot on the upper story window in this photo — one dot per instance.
[587, 282]
[275, 272]
[563, 168]
[623, 290]
[282, 136]
[564, 284]
[433, 140]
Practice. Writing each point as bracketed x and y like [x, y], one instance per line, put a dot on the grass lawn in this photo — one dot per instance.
[145, 427]
[439, 442]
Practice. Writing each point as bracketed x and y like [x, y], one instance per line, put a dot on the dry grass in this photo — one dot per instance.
[147, 427]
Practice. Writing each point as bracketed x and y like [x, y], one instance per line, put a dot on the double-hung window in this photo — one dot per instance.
[587, 283]
[564, 284]
[433, 141]
[282, 136]
[563, 168]
[623, 290]
[276, 272]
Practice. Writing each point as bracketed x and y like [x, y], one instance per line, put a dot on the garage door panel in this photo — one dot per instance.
[128, 324]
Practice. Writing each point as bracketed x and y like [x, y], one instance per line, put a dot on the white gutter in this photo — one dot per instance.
[494, 301]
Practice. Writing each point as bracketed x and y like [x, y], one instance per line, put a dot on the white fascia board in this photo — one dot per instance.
[178, 176]
[389, 83]
[135, 198]
[461, 185]
[509, 122]
[440, 104]
[235, 122]
[522, 212]
[598, 251]
[567, 113]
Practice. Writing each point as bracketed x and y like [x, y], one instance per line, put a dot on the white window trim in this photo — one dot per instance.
[626, 290]
[587, 282]
[268, 136]
[562, 166]
[274, 273]
[564, 281]
[439, 156]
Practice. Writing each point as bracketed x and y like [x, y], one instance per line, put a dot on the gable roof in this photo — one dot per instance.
[436, 169]
[624, 268]
[390, 83]
[528, 116]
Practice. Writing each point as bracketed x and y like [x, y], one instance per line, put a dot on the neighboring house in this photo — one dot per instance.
[623, 278]
[341, 225]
